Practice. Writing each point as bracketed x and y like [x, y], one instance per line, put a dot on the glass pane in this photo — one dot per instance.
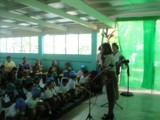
[34, 44]
[17, 45]
[59, 44]
[3, 45]
[72, 44]
[25, 44]
[48, 44]
[10, 45]
[85, 44]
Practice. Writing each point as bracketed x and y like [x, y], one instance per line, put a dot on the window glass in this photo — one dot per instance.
[26, 44]
[72, 44]
[85, 44]
[17, 45]
[59, 44]
[48, 44]
[10, 44]
[34, 44]
[3, 45]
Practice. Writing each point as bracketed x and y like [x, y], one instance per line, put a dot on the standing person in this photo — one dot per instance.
[98, 59]
[9, 64]
[117, 55]
[112, 81]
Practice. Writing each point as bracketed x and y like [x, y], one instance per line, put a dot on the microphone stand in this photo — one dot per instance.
[127, 94]
[89, 117]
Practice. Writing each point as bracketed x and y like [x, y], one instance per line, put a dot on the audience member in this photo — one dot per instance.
[25, 64]
[9, 64]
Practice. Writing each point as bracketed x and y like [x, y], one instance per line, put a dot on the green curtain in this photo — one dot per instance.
[149, 27]
[138, 42]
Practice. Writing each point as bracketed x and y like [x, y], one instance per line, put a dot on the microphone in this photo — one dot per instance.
[111, 65]
[125, 61]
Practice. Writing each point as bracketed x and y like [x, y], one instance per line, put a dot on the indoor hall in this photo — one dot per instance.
[46, 46]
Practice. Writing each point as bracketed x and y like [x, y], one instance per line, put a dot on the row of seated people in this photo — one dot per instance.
[9, 71]
[45, 94]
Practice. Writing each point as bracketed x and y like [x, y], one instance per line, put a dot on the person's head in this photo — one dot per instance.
[29, 84]
[83, 67]
[18, 83]
[9, 58]
[50, 83]
[67, 65]
[24, 59]
[85, 73]
[115, 47]
[54, 63]
[106, 49]
[64, 81]
[36, 92]
[65, 73]
[20, 104]
[73, 75]
[38, 61]
[37, 79]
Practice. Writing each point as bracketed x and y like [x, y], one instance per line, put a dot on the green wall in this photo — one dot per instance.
[75, 60]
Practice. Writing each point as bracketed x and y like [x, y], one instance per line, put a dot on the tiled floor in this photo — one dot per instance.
[138, 107]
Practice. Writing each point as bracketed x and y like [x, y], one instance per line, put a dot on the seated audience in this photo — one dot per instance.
[84, 78]
[9, 64]
[34, 104]
[80, 72]
[38, 67]
[25, 64]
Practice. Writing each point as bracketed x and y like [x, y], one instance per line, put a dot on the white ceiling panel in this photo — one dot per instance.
[40, 16]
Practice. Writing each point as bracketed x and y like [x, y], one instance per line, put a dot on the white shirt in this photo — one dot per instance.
[83, 79]
[48, 93]
[80, 73]
[12, 111]
[71, 84]
[62, 88]
[31, 103]
[117, 56]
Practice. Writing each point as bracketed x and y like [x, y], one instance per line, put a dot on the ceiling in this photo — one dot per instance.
[35, 17]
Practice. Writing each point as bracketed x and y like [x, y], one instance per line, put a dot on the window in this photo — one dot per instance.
[34, 44]
[25, 44]
[72, 44]
[3, 45]
[68, 44]
[48, 44]
[59, 44]
[85, 44]
[19, 45]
